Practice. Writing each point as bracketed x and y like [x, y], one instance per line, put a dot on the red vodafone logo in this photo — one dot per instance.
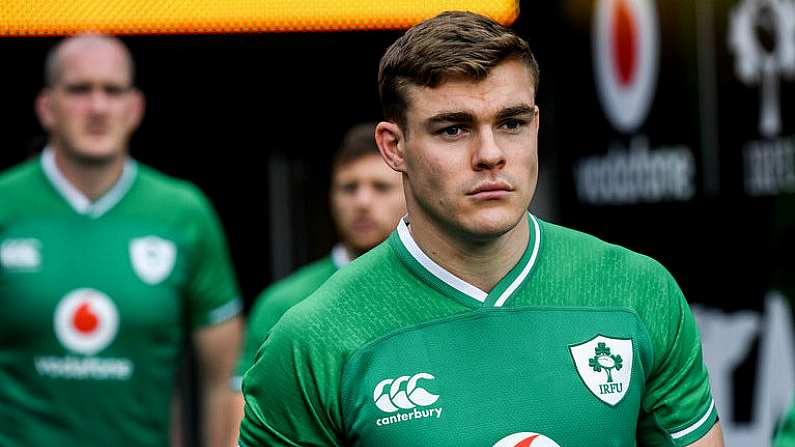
[526, 439]
[86, 321]
[625, 54]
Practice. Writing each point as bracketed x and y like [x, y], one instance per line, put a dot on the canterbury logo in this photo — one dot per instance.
[391, 395]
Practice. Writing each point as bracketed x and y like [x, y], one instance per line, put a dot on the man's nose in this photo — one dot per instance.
[487, 154]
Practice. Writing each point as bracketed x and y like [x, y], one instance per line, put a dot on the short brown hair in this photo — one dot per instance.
[358, 142]
[454, 43]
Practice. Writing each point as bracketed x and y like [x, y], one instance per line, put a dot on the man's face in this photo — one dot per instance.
[92, 109]
[366, 202]
[470, 153]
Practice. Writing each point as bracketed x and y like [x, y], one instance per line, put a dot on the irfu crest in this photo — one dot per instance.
[604, 361]
[605, 366]
[152, 258]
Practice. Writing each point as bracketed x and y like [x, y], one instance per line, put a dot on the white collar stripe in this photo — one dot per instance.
[339, 256]
[526, 270]
[79, 202]
[435, 269]
[695, 426]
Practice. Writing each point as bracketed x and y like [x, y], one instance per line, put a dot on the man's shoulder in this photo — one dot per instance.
[290, 290]
[588, 251]
[157, 187]
[339, 306]
[21, 188]
[19, 176]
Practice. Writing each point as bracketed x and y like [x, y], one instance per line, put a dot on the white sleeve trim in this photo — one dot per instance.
[236, 384]
[695, 426]
[225, 312]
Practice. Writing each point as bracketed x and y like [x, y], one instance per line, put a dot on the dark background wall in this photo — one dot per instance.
[254, 119]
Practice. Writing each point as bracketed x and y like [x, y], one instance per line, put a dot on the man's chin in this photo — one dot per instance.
[94, 156]
[492, 225]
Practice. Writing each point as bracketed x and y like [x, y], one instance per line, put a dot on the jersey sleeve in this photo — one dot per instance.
[292, 392]
[678, 406]
[785, 436]
[260, 321]
[212, 291]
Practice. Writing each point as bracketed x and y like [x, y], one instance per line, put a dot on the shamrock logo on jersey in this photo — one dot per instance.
[605, 366]
[603, 360]
[152, 258]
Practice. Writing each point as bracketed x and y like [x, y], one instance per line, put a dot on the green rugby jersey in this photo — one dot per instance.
[785, 436]
[99, 299]
[582, 343]
[275, 300]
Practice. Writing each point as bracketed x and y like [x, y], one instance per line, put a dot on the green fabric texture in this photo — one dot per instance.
[583, 342]
[100, 306]
[275, 300]
[785, 437]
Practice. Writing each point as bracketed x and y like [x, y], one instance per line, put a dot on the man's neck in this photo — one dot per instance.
[93, 180]
[480, 263]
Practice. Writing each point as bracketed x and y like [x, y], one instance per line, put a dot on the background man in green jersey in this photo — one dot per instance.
[106, 267]
[366, 200]
[477, 323]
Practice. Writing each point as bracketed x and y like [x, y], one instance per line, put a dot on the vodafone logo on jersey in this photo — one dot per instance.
[625, 54]
[86, 321]
[526, 439]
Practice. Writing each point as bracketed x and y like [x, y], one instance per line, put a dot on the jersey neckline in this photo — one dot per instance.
[456, 288]
[339, 256]
[77, 200]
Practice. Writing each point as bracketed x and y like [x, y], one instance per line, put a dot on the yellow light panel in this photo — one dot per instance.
[61, 17]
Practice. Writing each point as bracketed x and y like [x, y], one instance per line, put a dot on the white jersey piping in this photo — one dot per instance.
[695, 426]
[434, 268]
[526, 270]
[79, 202]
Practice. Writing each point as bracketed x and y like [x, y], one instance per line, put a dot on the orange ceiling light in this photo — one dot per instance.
[61, 17]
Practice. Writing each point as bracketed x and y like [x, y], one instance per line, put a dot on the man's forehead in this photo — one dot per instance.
[94, 55]
[509, 85]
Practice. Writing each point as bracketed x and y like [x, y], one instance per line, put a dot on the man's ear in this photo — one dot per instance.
[391, 144]
[137, 108]
[43, 108]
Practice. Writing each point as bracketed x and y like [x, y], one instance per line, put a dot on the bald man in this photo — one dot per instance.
[106, 268]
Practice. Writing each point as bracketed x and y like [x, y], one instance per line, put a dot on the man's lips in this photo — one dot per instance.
[490, 190]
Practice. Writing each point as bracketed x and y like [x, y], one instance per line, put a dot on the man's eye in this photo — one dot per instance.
[382, 187]
[513, 124]
[452, 131]
[115, 90]
[78, 89]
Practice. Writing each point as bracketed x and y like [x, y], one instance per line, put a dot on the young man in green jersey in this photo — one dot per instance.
[106, 267]
[476, 323]
[366, 201]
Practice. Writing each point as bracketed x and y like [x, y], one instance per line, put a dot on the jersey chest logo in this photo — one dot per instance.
[526, 439]
[86, 321]
[20, 254]
[605, 366]
[152, 258]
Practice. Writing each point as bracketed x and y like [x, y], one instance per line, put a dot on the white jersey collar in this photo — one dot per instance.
[340, 256]
[504, 289]
[76, 199]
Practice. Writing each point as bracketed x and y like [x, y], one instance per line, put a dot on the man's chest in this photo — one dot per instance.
[72, 279]
[521, 377]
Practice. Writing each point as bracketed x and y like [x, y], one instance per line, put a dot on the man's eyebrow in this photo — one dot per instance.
[510, 112]
[450, 117]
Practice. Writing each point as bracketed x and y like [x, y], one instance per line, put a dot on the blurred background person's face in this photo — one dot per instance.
[366, 202]
[91, 109]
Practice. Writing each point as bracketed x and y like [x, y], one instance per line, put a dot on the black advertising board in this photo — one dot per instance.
[675, 137]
